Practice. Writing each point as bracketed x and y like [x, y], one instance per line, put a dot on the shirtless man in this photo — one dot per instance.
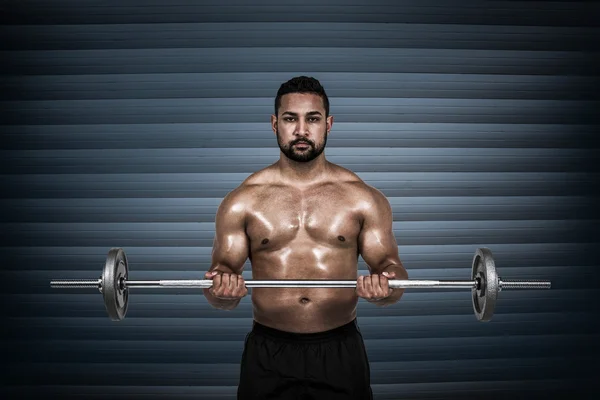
[304, 218]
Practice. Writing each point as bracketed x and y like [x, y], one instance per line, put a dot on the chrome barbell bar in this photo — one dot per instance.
[312, 283]
[484, 285]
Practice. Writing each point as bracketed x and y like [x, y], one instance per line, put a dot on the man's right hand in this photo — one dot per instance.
[226, 286]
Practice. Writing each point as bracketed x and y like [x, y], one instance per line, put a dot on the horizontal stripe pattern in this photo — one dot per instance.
[518, 312]
[306, 34]
[344, 135]
[562, 386]
[257, 110]
[490, 13]
[125, 125]
[392, 184]
[202, 233]
[262, 85]
[318, 60]
[155, 258]
[204, 209]
[193, 374]
[364, 159]
[407, 349]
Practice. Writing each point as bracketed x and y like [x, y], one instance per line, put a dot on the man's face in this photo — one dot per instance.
[301, 126]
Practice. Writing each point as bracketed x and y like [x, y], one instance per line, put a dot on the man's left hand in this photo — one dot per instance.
[374, 287]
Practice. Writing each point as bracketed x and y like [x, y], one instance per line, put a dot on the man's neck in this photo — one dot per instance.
[303, 172]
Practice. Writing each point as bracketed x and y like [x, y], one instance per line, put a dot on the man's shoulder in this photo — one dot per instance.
[366, 197]
[355, 183]
[249, 187]
[344, 175]
[261, 177]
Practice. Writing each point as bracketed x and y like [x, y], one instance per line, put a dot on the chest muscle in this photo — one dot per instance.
[321, 217]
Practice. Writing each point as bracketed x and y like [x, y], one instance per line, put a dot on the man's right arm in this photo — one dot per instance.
[229, 253]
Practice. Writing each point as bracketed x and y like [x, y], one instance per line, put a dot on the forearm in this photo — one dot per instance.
[396, 294]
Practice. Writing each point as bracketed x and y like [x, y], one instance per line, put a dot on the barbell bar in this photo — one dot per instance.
[485, 284]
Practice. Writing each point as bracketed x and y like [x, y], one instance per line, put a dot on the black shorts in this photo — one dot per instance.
[329, 365]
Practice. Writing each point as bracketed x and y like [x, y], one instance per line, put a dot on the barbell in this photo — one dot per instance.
[485, 284]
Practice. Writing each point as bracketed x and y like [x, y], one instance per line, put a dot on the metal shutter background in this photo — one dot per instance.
[125, 125]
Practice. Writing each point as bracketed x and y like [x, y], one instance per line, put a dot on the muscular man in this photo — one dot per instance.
[304, 218]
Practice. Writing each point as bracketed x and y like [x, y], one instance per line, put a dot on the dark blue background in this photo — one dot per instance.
[125, 123]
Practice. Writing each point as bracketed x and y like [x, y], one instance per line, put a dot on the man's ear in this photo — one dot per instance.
[274, 123]
[329, 123]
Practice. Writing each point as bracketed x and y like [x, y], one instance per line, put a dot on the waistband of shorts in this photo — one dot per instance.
[341, 331]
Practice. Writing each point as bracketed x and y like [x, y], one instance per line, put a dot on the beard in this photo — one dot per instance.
[301, 156]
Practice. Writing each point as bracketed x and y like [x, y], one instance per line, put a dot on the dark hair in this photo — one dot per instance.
[302, 84]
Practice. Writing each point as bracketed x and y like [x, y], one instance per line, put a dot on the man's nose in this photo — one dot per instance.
[301, 128]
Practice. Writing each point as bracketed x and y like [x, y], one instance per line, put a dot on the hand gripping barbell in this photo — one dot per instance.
[485, 284]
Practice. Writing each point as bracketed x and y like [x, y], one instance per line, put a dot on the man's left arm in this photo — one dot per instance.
[378, 247]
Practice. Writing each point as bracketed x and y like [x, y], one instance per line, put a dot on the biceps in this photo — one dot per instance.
[230, 249]
[378, 247]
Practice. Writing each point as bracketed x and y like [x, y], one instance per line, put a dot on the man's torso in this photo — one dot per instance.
[305, 233]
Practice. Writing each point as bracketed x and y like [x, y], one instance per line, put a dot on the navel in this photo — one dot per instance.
[304, 300]
[341, 238]
[265, 241]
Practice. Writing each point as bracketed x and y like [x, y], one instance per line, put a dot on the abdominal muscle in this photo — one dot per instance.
[304, 310]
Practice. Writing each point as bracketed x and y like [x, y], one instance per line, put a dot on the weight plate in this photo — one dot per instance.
[116, 296]
[485, 295]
